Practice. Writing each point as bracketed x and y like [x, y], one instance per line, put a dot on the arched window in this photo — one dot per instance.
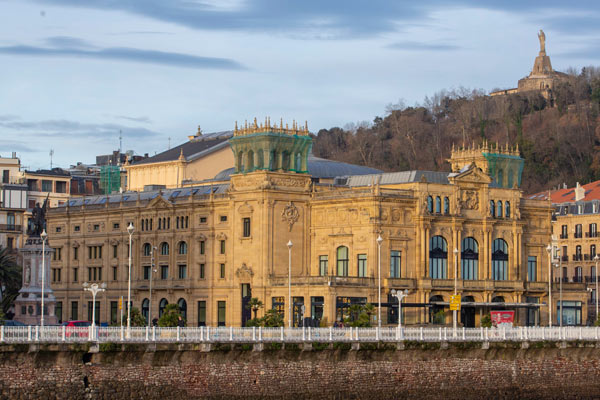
[492, 209]
[498, 299]
[578, 253]
[499, 260]
[182, 248]
[592, 251]
[161, 307]
[164, 249]
[438, 258]
[240, 162]
[159, 223]
[430, 204]
[500, 178]
[342, 261]
[438, 205]
[147, 249]
[446, 205]
[250, 162]
[499, 209]
[469, 262]
[285, 161]
[507, 209]
[261, 159]
[436, 313]
[298, 162]
[182, 308]
[146, 309]
[578, 275]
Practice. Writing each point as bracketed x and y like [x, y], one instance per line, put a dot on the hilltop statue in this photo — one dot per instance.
[542, 38]
[38, 218]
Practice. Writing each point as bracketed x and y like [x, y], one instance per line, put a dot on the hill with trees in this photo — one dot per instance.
[559, 138]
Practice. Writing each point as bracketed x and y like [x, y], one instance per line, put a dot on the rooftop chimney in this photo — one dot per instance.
[579, 192]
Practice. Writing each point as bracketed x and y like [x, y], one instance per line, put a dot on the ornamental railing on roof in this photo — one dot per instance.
[255, 127]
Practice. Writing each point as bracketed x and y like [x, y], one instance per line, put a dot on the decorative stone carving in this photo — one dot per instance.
[221, 236]
[290, 214]
[245, 208]
[201, 237]
[470, 200]
[244, 271]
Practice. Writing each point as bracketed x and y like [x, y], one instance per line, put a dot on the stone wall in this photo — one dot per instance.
[185, 372]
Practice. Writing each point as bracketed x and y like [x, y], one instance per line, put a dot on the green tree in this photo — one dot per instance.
[272, 319]
[255, 304]
[170, 316]
[10, 278]
[137, 319]
[486, 321]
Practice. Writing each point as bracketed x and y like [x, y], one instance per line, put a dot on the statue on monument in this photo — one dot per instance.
[542, 38]
[38, 218]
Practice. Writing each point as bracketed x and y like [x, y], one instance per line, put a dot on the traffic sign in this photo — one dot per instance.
[455, 302]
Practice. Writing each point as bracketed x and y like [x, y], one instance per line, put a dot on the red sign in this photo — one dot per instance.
[502, 318]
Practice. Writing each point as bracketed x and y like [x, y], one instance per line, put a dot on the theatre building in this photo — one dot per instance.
[217, 243]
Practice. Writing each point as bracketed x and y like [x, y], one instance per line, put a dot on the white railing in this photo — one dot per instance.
[62, 334]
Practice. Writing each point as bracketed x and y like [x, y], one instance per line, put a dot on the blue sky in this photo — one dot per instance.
[74, 73]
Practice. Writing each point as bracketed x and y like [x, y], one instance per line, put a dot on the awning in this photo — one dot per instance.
[490, 304]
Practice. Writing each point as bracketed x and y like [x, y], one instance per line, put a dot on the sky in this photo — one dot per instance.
[74, 74]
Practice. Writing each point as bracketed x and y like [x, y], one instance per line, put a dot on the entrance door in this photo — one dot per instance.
[467, 314]
[246, 296]
[299, 311]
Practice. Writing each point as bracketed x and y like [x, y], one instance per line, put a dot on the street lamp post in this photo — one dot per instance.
[289, 245]
[454, 313]
[379, 240]
[399, 294]
[560, 272]
[44, 237]
[549, 250]
[151, 273]
[95, 289]
[596, 258]
[130, 230]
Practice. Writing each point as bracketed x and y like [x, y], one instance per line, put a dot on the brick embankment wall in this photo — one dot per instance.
[187, 373]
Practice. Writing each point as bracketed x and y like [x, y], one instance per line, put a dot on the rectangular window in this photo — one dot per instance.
[223, 218]
[246, 227]
[531, 268]
[75, 253]
[362, 265]
[395, 260]
[75, 274]
[97, 313]
[221, 312]
[222, 246]
[58, 229]
[222, 271]
[46, 185]
[58, 311]
[578, 231]
[202, 220]
[76, 228]
[114, 270]
[323, 261]
[114, 312]
[182, 271]
[202, 247]
[116, 226]
[278, 304]
[201, 271]
[74, 310]
[146, 272]
[164, 272]
[563, 232]
[115, 251]
[202, 313]
[96, 227]
[5, 175]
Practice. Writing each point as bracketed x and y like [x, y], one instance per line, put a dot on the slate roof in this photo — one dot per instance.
[193, 149]
[320, 168]
[389, 178]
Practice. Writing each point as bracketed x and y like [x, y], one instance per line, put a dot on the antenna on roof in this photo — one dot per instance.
[120, 143]
[51, 154]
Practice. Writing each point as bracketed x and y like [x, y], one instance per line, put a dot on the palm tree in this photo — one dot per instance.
[369, 309]
[10, 278]
[255, 304]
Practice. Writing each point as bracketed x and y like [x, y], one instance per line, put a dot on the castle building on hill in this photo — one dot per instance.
[278, 220]
[543, 78]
